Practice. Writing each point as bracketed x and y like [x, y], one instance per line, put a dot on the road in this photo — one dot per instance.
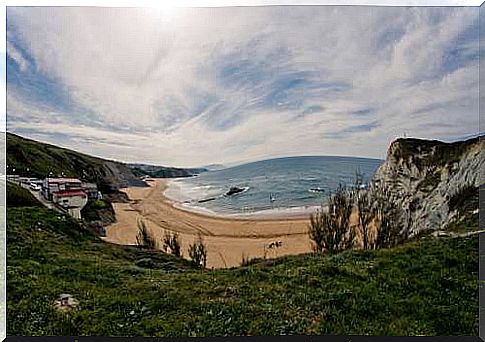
[41, 199]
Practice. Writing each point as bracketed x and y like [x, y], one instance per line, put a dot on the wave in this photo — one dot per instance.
[280, 212]
[316, 190]
[270, 187]
[272, 213]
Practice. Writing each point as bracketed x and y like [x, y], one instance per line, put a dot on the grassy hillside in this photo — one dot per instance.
[36, 159]
[20, 197]
[427, 287]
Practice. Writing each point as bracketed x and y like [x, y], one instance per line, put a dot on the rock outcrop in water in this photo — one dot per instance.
[433, 180]
[234, 190]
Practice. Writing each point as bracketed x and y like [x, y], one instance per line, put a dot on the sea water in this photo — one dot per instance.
[285, 186]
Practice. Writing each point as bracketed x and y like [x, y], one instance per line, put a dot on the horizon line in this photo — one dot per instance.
[238, 163]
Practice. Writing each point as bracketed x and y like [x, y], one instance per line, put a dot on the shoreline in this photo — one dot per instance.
[290, 213]
[228, 239]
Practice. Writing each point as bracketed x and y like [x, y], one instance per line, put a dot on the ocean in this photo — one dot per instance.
[289, 186]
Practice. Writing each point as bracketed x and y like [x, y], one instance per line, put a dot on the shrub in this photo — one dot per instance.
[330, 230]
[365, 215]
[100, 204]
[387, 219]
[172, 243]
[145, 238]
[198, 252]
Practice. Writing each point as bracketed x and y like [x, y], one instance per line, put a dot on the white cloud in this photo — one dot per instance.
[17, 56]
[235, 83]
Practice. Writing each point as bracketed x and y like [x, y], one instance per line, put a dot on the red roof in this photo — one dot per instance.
[69, 193]
[63, 180]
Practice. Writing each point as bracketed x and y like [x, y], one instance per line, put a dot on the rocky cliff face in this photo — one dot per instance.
[434, 181]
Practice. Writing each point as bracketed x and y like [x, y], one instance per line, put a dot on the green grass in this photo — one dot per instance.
[467, 223]
[18, 196]
[426, 287]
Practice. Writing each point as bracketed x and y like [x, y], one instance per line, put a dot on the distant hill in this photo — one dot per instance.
[163, 171]
[36, 159]
[214, 167]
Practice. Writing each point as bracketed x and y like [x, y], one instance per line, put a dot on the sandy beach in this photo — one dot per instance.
[227, 239]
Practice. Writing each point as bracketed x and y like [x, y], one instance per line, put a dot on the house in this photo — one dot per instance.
[67, 193]
[91, 189]
[71, 200]
[52, 185]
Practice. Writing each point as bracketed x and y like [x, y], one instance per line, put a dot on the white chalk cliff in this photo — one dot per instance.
[430, 177]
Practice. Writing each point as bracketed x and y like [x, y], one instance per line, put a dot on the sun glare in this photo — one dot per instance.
[165, 10]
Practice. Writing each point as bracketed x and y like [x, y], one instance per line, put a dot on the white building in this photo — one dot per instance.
[67, 193]
[72, 200]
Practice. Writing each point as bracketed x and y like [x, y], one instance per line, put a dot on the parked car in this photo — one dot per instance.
[35, 187]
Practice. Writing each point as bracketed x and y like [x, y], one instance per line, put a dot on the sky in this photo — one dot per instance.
[195, 86]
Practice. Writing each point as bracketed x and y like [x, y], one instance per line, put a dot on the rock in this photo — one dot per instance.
[234, 190]
[426, 174]
[66, 302]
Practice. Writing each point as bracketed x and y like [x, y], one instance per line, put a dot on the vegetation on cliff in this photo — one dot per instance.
[430, 153]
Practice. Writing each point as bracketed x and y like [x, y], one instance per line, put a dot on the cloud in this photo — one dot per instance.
[194, 86]
[17, 57]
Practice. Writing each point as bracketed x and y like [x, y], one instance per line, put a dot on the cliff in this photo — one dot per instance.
[436, 182]
[164, 171]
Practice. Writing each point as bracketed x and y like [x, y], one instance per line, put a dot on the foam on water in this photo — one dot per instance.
[279, 187]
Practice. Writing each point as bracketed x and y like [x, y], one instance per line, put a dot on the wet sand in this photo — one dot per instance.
[227, 239]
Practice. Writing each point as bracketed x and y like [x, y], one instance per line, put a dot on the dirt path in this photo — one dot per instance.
[227, 239]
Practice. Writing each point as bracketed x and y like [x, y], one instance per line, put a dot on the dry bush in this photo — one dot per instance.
[172, 243]
[198, 252]
[330, 230]
[145, 238]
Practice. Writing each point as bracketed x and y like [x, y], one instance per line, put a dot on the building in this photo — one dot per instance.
[71, 200]
[67, 193]
[91, 189]
[52, 185]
